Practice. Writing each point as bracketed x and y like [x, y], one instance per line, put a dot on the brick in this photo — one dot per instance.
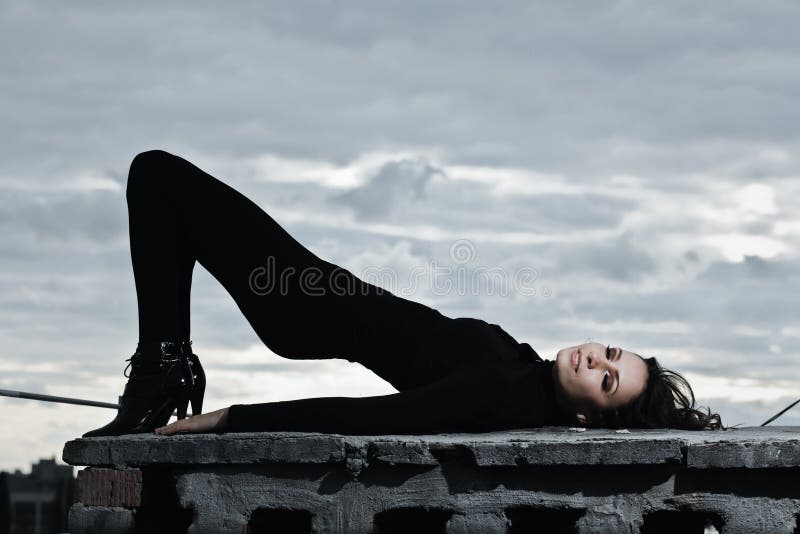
[99, 486]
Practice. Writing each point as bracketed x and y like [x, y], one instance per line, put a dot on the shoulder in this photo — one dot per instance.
[482, 333]
[494, 342]
[524, 351]
[476, 340]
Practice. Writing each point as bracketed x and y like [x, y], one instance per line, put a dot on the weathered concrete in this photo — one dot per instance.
[741, 480]
[100, 519]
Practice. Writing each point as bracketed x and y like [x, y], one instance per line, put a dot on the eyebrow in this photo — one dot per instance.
[617, 373]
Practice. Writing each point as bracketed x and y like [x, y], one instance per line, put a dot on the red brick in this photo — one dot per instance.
[100, 486]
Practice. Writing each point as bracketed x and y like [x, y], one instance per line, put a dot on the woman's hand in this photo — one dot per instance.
[204, 422]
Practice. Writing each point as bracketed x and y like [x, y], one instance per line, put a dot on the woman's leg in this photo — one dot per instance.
[161, 257]
[179, 214]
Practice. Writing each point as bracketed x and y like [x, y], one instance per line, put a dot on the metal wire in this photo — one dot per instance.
[780, 413]
[65, 400]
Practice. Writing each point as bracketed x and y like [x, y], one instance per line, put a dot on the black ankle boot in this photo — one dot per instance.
[198, 377]
[161, 380]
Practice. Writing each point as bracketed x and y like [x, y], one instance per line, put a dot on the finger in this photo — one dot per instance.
[187, 425]
[174, 428]
[171, 428]
[166, 429]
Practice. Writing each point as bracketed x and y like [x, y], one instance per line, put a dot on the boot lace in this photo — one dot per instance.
[166, 360]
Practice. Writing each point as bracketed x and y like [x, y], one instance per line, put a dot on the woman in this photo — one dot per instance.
[452, 374]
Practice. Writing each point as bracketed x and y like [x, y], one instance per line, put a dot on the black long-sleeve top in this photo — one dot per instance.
[492, 383]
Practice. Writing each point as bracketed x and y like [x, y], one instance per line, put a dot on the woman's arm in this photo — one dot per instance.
[475, 398]
[472, 399]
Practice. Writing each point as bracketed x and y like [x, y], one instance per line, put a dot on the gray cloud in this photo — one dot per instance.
[98, 216]
[616, 89]
[650, 120]
[619, 258]
[395, 183]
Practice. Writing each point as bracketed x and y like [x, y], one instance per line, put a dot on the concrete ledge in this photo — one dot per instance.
[752, 447]
[549, 479]
[136, 450]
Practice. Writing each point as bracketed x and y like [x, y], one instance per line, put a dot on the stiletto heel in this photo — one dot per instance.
[162, 414]
[198, 378]
[197, 400]
[182, 405]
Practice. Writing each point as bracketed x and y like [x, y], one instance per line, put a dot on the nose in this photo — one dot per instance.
[592, 361]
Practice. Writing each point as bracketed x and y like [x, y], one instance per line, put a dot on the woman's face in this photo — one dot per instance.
[592, 377]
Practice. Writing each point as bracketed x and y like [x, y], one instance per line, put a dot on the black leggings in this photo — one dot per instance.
[300, 306]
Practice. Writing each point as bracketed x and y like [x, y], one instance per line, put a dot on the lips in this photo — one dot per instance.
[576, 360]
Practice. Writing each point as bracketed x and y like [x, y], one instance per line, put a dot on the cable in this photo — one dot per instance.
[53, 398]
[771, 419]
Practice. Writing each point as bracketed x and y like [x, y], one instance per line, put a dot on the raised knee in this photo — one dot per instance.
[145, 169]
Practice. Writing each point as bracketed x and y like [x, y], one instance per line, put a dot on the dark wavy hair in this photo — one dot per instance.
[666, 402]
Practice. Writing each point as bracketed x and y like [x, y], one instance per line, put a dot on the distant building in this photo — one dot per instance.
[36, 503]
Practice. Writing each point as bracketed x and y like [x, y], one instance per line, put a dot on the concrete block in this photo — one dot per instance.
[751, 453]
[480, 523]
[137, 450]
[100, 520]
[606, 519]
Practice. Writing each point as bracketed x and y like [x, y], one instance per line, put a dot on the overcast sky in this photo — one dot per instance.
[641, 159]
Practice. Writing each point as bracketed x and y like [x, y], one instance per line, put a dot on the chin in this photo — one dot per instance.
[562, 370]
[562, 358]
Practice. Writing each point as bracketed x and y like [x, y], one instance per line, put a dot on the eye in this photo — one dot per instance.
[605, 382]
[608, 352]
